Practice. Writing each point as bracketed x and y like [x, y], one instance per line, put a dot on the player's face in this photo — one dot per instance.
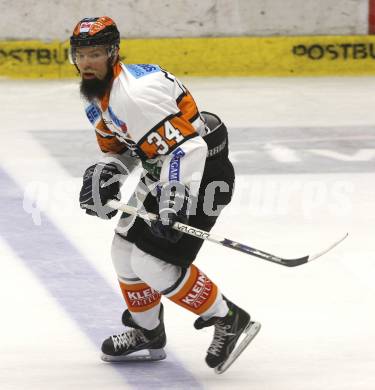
[92, 62]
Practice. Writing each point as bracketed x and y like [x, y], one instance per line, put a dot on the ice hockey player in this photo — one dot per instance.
[142, 114]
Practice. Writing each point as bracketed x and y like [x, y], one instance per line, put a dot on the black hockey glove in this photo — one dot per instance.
[101, 183]
[174, 204]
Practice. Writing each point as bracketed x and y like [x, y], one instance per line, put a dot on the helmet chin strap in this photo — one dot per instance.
[115, 56]
[77, 68]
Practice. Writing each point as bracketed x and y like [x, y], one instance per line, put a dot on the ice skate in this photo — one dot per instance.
[135, 343]
[223, 352]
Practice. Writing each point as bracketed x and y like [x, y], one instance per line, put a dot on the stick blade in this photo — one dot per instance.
[313, 257]
[295, 262]
[309, 258]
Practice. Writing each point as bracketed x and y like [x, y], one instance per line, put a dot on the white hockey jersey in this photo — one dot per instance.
[150, 112]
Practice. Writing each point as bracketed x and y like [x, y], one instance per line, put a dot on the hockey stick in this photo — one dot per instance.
[203, 235]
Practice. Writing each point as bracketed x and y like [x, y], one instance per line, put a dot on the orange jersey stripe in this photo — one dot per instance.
[103, 127]
[110, 144]
[104, 102]
[166, 137]
[188, 107]
[139, 297]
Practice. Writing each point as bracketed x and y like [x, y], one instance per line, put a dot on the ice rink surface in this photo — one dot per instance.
[304, 152]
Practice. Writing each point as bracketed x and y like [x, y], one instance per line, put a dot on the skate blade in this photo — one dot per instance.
[139, 356]
[251, 331]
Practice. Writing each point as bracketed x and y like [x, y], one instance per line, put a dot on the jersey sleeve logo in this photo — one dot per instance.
[141, 70]
[93, 113]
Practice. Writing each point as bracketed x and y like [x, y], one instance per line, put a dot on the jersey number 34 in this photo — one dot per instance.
[171, 137]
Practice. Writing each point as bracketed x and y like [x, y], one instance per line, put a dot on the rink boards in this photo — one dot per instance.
[225, 56]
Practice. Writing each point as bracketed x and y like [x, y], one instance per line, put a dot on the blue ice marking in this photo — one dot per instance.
[78, 288]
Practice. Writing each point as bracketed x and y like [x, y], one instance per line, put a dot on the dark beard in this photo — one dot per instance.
[95, 88]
